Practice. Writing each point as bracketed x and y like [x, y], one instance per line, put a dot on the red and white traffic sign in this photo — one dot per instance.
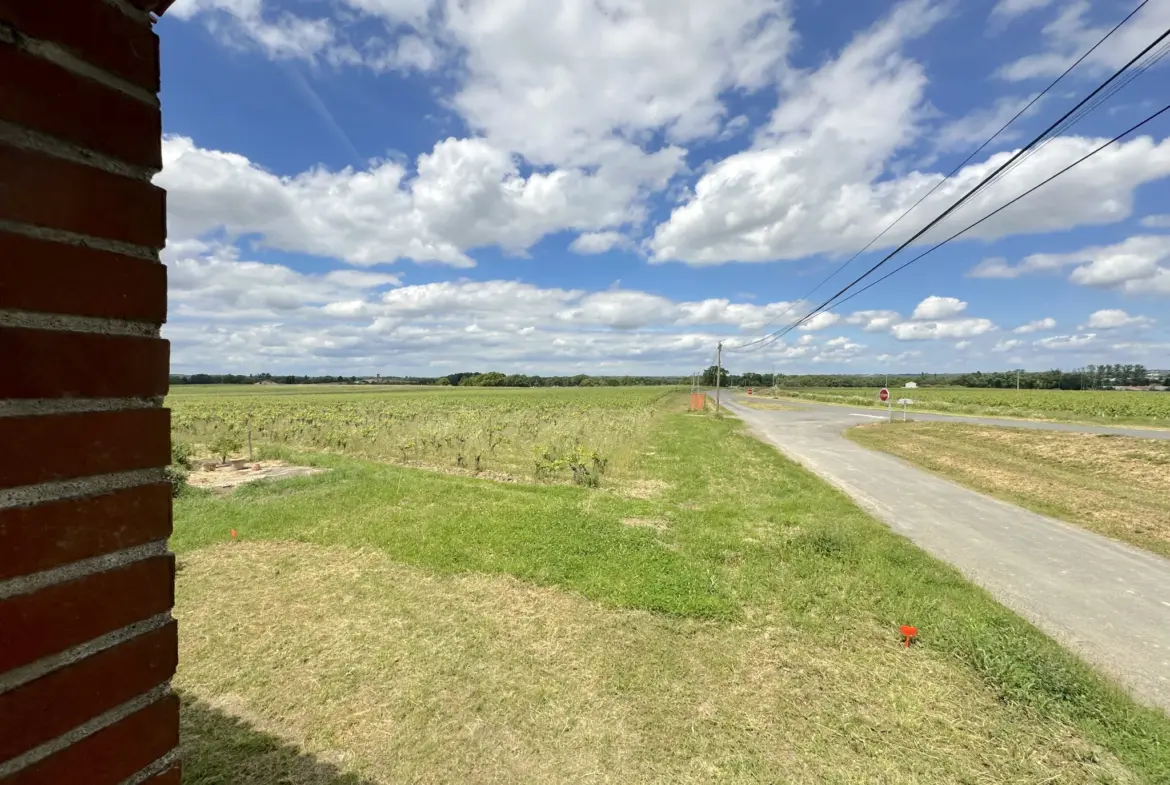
[749, 391]
[884, 395]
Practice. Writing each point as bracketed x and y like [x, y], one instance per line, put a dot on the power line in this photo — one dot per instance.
[998, 210]
[979, 187]
[1150, 61]
[939, 184]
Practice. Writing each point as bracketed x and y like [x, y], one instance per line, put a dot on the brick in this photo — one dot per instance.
[94, 31]
[40, 95]
[48, 535]
[59, 364]
[64, 615]
[51, 277]
[112, 754]
[44, 709]
[45, 448]
[46, 191]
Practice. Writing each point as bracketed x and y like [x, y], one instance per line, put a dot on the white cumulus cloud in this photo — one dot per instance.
[465, 194]
[817, 178]
[934, 307]
[1039, 325]
[1113, 270]
[580, 114]
[597, 242]
[938, 330]
[1156, 221]
[1070, 34]
[820, 321]
[1013, 8]
[210, 282]
[874, 321]
[1113, 318]
[1137, 265]
[1078, 341]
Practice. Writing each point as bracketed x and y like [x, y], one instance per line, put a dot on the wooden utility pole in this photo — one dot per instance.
[718, 374]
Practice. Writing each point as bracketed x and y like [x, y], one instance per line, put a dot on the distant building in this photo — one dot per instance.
[911, 385]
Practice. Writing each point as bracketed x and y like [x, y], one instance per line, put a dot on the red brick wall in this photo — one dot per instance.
[87, 642]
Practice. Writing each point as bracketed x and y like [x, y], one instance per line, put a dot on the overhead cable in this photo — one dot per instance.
[954, 171]
[963, 200]
[777, 336]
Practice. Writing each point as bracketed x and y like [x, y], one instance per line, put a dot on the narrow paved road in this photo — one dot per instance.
[1105, 600]
[880, 414]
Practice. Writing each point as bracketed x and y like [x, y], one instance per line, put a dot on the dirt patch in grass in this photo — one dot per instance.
[1117, 486]
[225, 477]
[393, 674]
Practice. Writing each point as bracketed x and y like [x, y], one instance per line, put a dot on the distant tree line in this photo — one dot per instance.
[462, 379]
[236, 378]
[1092, 377]
[497, 379]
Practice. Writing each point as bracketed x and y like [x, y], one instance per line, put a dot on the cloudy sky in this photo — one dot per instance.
[613, 186]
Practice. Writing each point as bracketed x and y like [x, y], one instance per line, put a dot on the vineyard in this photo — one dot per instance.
[1149, 408]
[555, 434]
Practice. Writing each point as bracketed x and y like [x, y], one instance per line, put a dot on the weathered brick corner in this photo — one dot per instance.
[87, 642]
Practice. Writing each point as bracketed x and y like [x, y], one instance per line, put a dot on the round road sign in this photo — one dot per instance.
[884, 394]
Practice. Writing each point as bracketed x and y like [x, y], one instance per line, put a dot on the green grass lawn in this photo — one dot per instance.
[725, 616]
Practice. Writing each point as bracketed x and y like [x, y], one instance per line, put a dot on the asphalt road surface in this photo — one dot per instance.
[881, 414]
[1105, 600]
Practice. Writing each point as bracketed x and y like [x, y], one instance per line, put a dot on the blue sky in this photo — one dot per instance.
[613, 186]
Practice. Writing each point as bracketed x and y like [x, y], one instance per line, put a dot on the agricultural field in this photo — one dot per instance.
[1108, 406]
[707, 611]
[556, 434]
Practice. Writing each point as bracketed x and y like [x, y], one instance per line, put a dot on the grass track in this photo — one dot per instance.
[728, 616]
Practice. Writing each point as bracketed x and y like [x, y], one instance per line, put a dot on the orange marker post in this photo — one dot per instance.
[909, 633]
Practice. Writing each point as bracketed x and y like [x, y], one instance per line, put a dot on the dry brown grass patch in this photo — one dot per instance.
[400, 675]
[642, 489]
